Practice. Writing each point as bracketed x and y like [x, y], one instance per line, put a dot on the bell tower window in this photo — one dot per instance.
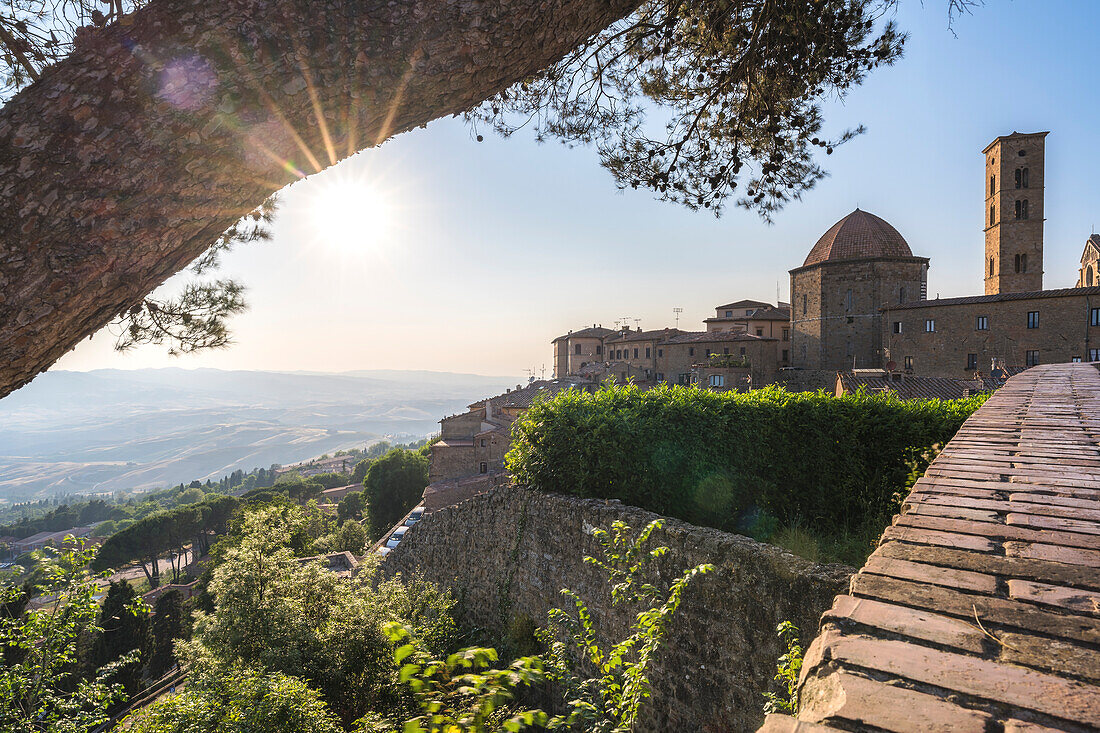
[991, 267]
[992, 214]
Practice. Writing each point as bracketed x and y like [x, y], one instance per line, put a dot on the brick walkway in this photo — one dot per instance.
[980, 610]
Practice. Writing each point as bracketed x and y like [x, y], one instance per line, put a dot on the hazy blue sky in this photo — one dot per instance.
[472, 257]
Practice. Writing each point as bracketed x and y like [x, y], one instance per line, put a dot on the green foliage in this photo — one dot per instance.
[40, 685]
[613, 700]
[350, 537]
[332, 480]
[168, 626]
[238, 701]
[317, 626]
[461, 692]
[352, 506]
[733, 460]
[787, 670]
[394, 485]
[360, 471]
[124, 638]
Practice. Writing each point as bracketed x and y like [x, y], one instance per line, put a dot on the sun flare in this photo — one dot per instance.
[352, 215]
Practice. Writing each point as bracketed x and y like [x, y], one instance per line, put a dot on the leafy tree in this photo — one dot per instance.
[394, 485]
[167, 627]
[238, 701]
[317, 626]
[350, 537]
[360, 471]
[352, 506]
[123, 638]
[40, 686]
[465, 691]
[332, 480]
[191, 496]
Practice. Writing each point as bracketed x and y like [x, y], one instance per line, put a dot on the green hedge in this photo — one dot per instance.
[732, 460]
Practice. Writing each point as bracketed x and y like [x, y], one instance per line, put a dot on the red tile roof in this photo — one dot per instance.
[704, 337]
[857, 236]
[656, 334]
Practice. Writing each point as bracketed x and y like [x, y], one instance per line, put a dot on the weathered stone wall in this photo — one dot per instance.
[508, 553]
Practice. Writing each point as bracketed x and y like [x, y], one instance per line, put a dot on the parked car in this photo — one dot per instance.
[396, 537]
[415, 516]
[383, 551]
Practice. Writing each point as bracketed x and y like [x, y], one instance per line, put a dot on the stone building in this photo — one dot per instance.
[1089, 275]
[680, 355]
[637, 349]
[1016, 324]
[752, 316]
[576, 349]
[474, 442]
[1014, 213]
[858, 266]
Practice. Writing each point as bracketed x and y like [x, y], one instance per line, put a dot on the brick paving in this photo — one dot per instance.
[980, 609]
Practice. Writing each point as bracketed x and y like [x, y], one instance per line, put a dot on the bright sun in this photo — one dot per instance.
[351, 215]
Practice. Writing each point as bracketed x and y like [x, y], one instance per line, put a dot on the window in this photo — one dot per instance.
[991, 267]
[1025, 216]
[1075, 359]
[1025, 177]
[848, 302]
[786, 355]
[1033, 319]
[909, 363]
[484, 468]
[803, 305]
[483, 442]
[1094, 354]
[726, 350]
[635, 353]
[742, 351]
[930, 325]
[983, 323]
[717, 380]
[660, 352]
[993, 184]
[647, 352]
[1017, 258]
[577, 349]
[1023, 258]
[901, 295]
[691, 351]
[748, 312]
[660, 377]
[1018, 208]
[1032, 358]
[729, 314]
[599, 350]
[786, 334]
[992, 214]
[1019, 177]
[897, 326]
[1094, 317]
[1088, 277]
[708, 352]
[971, 362]
[759, 332]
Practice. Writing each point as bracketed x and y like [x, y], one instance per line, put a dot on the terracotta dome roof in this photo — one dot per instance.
[856, 236]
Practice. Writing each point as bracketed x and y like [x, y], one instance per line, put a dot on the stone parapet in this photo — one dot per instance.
[980, 609]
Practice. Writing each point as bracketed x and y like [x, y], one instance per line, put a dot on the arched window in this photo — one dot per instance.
[1019, 177]
[1025, 177]
[993, 184]
[1017, 208]
[1088, 276]
[803, 305]
[1024, 215]
[992, 214]
[1017, 263]
[1023, 262]
[991, 267]
[901, 295]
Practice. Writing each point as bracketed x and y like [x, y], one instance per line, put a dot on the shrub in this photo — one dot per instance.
[729, 460]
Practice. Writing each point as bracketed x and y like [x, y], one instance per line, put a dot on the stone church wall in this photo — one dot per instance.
[507, 554]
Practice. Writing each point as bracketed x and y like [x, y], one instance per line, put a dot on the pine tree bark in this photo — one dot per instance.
[122, 163]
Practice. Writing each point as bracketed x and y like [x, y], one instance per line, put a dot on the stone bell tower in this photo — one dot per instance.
[1014, 213]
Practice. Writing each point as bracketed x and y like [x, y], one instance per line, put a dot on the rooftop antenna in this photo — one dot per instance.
[676, 312]
[544, 371]
[637, 321]
[777, 301]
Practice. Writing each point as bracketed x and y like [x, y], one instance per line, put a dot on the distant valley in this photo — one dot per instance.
[110, 430]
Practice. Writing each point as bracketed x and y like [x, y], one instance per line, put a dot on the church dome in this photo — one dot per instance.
[857, 236]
